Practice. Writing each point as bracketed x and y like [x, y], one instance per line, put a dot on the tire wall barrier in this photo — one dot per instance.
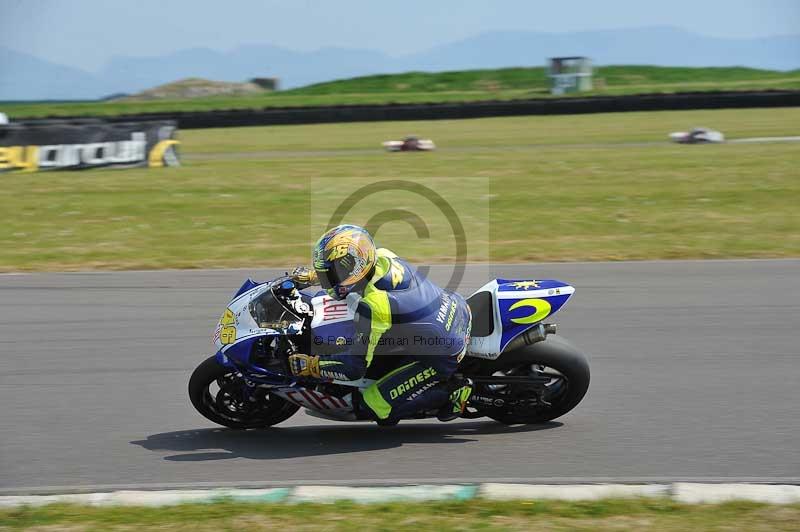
[447, 111]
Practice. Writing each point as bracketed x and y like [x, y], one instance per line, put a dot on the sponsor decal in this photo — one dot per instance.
[540, 309]
[29, 148]
[487, 400]
[326, 372]
[450, 316]
[412, 382]
[333, 309]
[335, 375]
[421, 391]
[313, 399]
[447, 302]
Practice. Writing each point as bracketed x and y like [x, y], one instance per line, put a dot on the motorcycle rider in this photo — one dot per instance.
[397, 311]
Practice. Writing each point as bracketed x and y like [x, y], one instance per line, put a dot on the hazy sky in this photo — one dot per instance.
[86, 33]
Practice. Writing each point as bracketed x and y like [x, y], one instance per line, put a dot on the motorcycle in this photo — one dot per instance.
[698, 135]
[410, 143]
[522, 372]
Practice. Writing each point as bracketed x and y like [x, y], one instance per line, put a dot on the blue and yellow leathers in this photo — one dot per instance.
[402, 313]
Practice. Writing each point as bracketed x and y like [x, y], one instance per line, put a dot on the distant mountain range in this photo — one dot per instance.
[25, 77]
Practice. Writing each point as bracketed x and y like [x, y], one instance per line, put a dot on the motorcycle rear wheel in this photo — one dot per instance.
[555, 356]
[215, 392]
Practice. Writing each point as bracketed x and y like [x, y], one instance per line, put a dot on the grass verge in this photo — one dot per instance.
[650, 514]
[587, 187]
[427, 87]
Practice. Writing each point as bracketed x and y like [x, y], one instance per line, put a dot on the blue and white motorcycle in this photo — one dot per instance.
[522, 372]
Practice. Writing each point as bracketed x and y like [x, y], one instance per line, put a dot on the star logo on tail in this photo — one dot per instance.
[522, 285]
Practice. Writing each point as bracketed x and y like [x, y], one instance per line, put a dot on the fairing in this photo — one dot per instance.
[517, 306]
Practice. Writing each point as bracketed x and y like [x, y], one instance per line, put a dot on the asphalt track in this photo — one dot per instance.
[695, 374]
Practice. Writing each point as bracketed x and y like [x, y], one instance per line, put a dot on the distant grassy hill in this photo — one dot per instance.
[660, 79]
[417, 87]
[194, 88]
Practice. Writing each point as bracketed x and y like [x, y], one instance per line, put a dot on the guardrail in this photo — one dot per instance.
[482, 109]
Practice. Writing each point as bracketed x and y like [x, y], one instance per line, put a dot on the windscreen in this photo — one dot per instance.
[269, 311]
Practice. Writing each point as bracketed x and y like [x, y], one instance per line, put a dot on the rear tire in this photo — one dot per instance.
[221, 409]
[555, 353]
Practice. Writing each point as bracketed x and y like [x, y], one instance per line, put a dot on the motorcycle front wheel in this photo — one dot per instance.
[218, 394]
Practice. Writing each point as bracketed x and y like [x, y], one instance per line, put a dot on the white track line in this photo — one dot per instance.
[684, 492]
[764, 139]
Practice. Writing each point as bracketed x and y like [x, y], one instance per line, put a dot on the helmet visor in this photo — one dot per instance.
[327, 279]
[331, 279]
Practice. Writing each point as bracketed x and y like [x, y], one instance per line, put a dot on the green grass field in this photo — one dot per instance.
[585, 187]
[624, 78]
[417, 87]
[649, 514]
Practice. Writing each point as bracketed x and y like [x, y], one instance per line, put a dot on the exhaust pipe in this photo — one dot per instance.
[532, 335]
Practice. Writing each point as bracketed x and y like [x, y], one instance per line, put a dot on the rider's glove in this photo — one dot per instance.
[304, 365]
[304, 276]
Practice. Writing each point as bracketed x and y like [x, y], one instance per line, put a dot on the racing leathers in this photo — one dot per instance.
[402, 313]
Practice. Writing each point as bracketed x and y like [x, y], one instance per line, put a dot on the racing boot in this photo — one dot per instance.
[360, 409]
[388, 422]
[457, 402]
[362, 412]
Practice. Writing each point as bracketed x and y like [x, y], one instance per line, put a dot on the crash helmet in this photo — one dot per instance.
[344, 259]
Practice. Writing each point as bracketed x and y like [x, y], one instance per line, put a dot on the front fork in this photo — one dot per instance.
[248, 388]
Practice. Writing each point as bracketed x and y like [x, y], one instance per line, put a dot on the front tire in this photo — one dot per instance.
[215, 392]
[553, 356]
